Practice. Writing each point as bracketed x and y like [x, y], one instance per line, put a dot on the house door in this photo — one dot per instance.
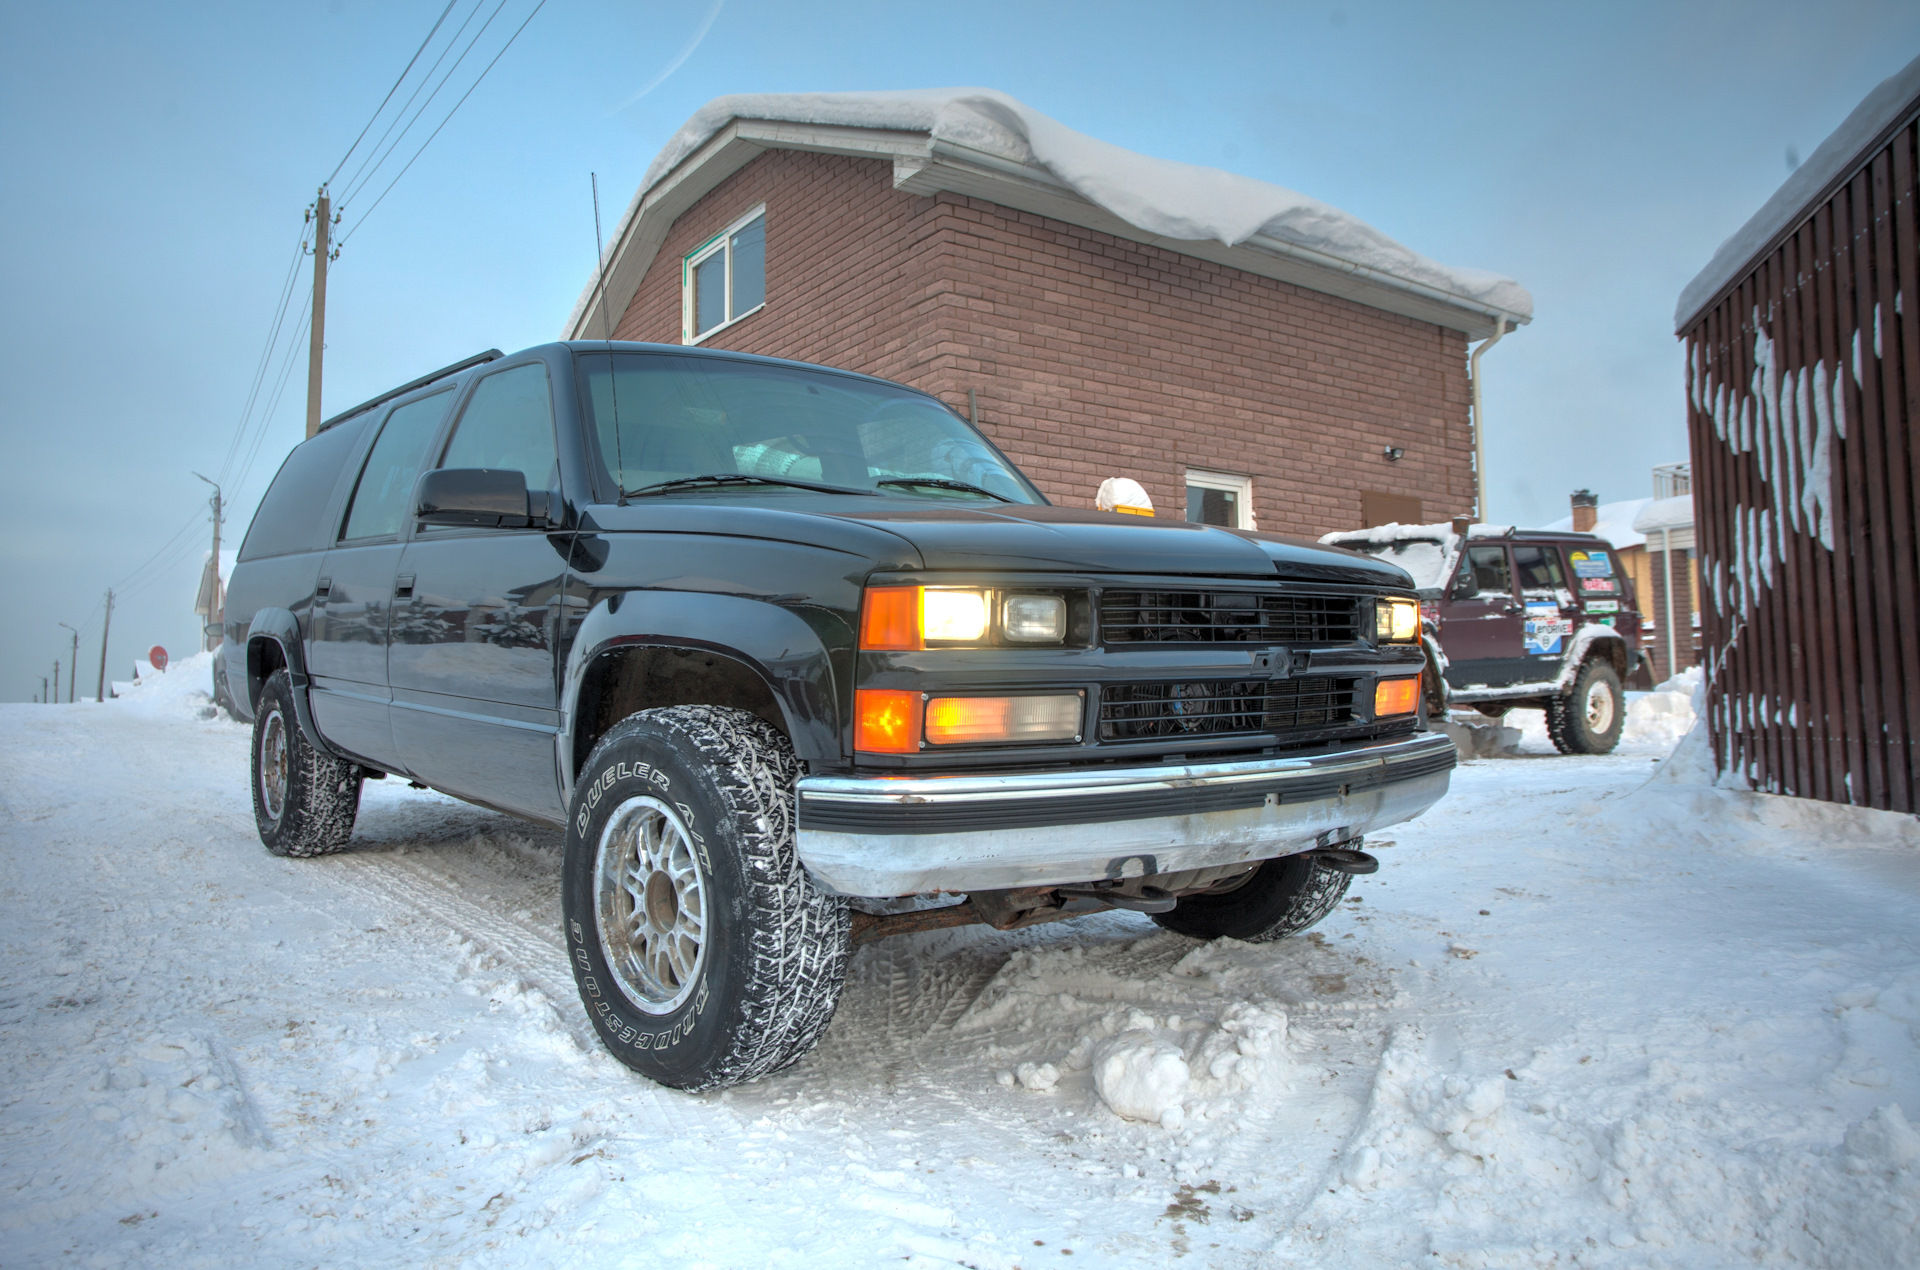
[1481, 622]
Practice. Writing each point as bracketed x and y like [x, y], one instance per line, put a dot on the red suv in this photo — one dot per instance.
[1520, 617]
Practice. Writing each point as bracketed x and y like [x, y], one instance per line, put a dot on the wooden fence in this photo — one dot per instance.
[1803, 382]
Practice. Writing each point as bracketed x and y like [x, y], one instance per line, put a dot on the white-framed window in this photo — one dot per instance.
[1215, 498]
[724, 278]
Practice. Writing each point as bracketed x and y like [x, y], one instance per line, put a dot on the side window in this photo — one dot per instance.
[725, 278]
[1214, 498]
[1539, 569]
[1594, 569]
[1484, 572]
[386, 482]
[508, 425]
[292, 516]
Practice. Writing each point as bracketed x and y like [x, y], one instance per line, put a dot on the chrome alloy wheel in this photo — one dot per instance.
[274, 765]
[651, 904]
[1600, 707]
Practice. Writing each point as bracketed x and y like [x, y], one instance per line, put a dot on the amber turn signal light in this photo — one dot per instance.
[890, 618]
[886, 721]
[1395, 696]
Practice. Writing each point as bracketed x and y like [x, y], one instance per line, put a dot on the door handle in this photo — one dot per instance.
[323, 588]
[403, 587]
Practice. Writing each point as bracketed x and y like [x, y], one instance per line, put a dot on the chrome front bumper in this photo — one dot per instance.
[894, 835]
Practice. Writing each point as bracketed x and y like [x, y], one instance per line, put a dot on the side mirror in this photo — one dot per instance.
[479, 496]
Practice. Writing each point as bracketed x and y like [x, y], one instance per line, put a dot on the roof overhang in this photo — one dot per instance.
[924, 165]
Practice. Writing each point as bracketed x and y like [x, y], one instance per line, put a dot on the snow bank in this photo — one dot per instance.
[1160, 196]
[183, 690]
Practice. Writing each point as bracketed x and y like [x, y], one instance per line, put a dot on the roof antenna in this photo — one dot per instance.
[606, 324]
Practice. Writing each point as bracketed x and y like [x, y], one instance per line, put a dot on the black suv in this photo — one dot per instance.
[799, 660]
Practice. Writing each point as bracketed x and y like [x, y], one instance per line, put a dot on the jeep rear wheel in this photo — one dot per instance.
[1280, 898]
[304, 802]
[1589, 719]
[704, 954]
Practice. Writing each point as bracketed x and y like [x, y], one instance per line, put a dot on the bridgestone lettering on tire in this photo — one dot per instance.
[704, 954]
[1282, 897]
[1589, 719]
[304, 802]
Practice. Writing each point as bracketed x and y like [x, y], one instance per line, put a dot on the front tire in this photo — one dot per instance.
[1589, 719]
[704, 954]
[304, 802]
[1282, 897]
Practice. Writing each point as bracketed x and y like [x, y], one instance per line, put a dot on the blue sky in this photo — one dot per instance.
[157, 160]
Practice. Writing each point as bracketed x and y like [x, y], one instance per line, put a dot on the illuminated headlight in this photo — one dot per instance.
[1396, 621]
[953, 615]
[1033, 619]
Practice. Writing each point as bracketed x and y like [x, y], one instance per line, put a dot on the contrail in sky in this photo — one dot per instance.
[706, 25]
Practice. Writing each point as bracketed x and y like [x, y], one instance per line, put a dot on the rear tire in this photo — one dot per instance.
[1589, 719]
[1282, 898]
[304, 802]
[704, 954]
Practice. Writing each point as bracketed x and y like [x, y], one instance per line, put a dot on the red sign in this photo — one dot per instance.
[158, 656]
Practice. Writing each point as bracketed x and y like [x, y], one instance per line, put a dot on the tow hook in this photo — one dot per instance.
[1343, 860]
[1149, 899]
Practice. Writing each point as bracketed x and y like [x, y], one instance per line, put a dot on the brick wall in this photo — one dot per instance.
[1091, 356]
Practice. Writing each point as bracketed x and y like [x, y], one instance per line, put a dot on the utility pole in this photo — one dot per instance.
[56, 681]
[317, 337]
[106, 625]
[216, 601]
[73, 664]
[44, 699]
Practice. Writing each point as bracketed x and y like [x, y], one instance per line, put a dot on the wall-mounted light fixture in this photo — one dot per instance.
[1393, 453]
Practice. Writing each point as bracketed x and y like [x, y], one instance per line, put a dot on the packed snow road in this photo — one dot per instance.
[1580, 1017]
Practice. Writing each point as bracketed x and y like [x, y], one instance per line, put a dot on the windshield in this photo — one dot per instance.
[681, 417]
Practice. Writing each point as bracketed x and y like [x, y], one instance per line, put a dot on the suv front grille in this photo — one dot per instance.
[1210, 707]
[1227, 617]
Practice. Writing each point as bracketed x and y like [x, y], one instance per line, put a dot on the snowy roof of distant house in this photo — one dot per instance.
[1665, 513]
[984, 144]
[1885, 108]
[1614, 522]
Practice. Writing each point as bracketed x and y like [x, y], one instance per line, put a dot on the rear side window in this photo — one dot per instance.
[1593, 570]
[291, 515]
[1539, 569]
[380, 499]
[1484, 572]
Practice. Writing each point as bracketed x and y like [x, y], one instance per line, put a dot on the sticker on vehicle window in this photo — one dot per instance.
[1597, 584]
[1595, 565]
[1603, 606]
[1544, 627]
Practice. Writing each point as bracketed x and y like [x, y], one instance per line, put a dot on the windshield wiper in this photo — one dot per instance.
[736, 478]
[942, 482]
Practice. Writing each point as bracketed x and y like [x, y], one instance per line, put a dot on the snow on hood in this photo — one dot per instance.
[1160, 196]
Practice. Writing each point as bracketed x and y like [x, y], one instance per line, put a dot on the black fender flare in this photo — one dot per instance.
[279, 627]
[771, 640]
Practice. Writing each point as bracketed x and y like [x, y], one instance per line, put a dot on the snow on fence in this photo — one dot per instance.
[1803, 378]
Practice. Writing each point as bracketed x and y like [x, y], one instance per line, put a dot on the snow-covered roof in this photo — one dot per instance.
[1665, 513]
[1886, 106]
[1613, 521]
[983, 143]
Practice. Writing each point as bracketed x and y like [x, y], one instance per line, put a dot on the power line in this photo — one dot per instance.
[273, 405]
[391, 91]
[266, 353]
[377, 156]
[444, 122]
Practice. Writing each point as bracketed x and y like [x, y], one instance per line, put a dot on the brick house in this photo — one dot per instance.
[1310, 375]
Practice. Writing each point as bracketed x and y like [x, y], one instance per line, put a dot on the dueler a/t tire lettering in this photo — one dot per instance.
[774, 947]
[1283, 897]
[304, 802]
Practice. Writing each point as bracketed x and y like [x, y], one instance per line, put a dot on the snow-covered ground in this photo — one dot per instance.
[1588, 1013]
